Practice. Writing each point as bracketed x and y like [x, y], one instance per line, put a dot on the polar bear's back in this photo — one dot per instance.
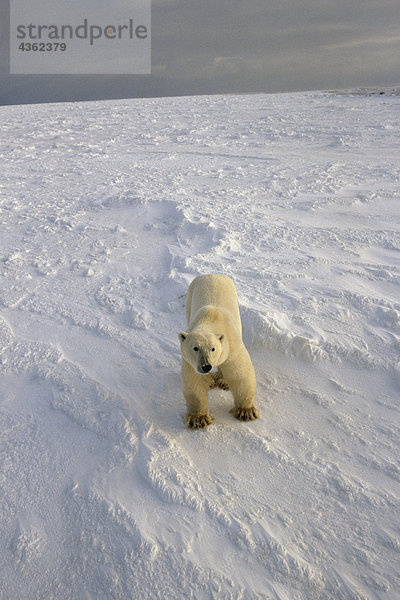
[212, 290]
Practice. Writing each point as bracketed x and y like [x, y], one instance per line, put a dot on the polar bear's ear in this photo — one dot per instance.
[182, 336]
[221, 337]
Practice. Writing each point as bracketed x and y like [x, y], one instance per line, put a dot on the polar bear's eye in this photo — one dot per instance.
[212, 349]
[195, 349]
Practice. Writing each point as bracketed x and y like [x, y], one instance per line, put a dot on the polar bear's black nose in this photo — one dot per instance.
[206, 368]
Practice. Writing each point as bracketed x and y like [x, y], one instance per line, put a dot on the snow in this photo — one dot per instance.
[108, 211]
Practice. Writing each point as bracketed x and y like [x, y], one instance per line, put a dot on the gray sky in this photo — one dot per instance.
[212, 46]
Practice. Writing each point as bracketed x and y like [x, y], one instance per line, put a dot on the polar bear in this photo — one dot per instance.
[213, 353]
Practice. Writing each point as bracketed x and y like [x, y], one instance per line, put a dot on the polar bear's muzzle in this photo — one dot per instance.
[205, 368]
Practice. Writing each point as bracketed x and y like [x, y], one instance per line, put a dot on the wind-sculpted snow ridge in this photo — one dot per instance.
[274, 332]
[107, 212]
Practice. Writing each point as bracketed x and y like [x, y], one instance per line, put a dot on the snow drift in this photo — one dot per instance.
[108, 211]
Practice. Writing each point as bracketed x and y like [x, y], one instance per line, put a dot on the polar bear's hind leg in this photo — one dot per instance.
[220, 381]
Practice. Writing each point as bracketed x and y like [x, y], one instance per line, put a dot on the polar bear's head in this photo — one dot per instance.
[203, 350]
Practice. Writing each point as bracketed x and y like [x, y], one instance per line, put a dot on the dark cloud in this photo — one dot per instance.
[202, 46]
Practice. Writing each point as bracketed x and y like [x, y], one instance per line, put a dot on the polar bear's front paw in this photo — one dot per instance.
[246, 414]
[196, 422]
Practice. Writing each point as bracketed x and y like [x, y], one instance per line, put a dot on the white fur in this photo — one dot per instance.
[214, 340]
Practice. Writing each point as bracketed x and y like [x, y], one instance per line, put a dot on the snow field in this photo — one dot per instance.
[108, 211]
